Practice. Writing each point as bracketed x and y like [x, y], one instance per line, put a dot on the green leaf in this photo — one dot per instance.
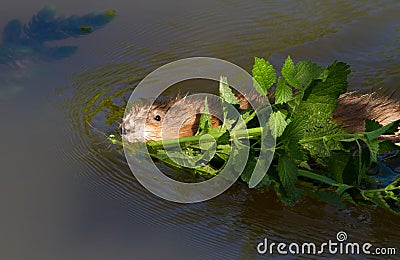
[287, 72]
[288, 172]
[373, 146]
[239, 159]
[296, 152]
[229, 118]
[307, 71]
[387, 146]
[364, 162]
[283, 92]
[223, 151]
[248, 115]
[205, 120]
[317, 106]
[305, 165]
[224, 139]
[382, 199]
[387, 129]
[371, 125]
[317, 111]
[326, 131]
[288, 68]
[295, 130]
[225, 91]
[347, 197]
[393, 128]
[330, 88]
[264, 74]
[277, 123]
[337, 163]
[249, 168]
[342, 188]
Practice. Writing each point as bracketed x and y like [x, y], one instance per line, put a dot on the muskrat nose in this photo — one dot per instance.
[124, 131]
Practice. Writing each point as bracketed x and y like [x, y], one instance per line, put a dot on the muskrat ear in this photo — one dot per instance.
[157, 118]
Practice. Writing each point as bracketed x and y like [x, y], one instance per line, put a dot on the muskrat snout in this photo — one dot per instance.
[124, 131]
[143, 123]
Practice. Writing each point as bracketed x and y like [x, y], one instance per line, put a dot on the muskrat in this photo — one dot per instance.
[353, 108]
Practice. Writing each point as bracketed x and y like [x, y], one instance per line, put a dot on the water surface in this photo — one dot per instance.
[67, 193]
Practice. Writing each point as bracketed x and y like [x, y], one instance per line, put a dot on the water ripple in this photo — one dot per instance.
[232, 224]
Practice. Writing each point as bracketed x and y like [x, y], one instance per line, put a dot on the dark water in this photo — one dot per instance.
[66, 193]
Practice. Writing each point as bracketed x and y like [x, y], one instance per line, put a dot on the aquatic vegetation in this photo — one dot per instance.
[21, 42]
[313, 156]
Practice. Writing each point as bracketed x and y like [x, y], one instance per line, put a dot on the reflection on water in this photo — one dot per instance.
[365, 35]
[27, 43]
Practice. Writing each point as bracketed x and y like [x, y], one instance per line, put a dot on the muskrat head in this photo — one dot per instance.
[143, 123]
[165, 118]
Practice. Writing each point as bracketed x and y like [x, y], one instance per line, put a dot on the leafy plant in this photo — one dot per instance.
[313, 155]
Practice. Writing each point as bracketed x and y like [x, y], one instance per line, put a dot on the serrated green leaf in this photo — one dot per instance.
[387, 146]
[287, 72]
[288, 68]
[264, 74]
[287, 172]
[371, 125]
[295, 102]
[393, 129]
[283, 92]
[277, 123]
[316, 111]
[323, 147]
[379, 199]
[225, 91]
[295, 130]
[307, 71]
[387, 129]
[296, 152]
[330, 88]
[317, 106]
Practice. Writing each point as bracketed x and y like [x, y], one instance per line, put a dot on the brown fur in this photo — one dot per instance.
[351, 112]
[353, 108]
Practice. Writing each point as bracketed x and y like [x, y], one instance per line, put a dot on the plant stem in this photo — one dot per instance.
[318, 177]
[252, 132]
[310, 140]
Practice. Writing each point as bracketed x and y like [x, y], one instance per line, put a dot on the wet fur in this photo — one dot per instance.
[353, 108]
[351, 112]
[187, 116]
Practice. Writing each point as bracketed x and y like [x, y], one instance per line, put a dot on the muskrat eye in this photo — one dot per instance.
[157, 118]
